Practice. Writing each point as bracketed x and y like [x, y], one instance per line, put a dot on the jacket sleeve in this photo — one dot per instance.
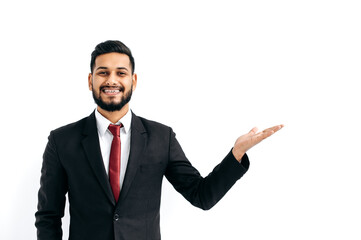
[202, 192]
[51, 196]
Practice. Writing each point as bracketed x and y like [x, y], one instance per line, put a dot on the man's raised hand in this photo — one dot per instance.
[247, 141]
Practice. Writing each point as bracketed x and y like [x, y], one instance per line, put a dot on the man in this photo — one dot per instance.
[112, 163]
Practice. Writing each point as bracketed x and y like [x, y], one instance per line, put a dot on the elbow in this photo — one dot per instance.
[207, 205]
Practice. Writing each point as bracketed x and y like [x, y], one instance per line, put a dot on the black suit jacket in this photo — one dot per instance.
[72, 163]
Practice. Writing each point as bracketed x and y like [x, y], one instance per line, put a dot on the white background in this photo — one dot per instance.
[212, 70]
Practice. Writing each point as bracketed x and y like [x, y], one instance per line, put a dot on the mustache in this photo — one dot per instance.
[118, 87]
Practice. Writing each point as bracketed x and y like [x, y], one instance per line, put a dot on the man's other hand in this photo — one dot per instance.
[247, 141]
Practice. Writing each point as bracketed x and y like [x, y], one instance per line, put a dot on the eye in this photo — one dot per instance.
[102, 73]
[121, 73]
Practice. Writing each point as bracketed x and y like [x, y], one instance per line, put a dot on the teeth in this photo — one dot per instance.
[110, 91]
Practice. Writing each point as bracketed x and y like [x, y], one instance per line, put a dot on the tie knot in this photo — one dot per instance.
[115, 129]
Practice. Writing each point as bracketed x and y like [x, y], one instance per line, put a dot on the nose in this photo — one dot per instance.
[112, 79]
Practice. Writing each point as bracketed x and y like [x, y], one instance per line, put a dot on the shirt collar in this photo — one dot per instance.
[103, 123]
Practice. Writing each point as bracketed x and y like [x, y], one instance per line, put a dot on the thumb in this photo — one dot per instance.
[253, 131]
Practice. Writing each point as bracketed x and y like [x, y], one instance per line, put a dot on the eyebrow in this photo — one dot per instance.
[120, 68]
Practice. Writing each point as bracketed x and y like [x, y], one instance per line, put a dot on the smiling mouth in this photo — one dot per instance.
[111, 90]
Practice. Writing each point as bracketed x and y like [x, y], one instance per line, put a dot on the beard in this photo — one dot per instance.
[112, 106]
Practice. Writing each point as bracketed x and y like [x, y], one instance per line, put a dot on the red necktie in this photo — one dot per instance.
[114, 160]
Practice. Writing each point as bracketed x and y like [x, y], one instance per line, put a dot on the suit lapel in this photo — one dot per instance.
[138, 143]
[92, 150]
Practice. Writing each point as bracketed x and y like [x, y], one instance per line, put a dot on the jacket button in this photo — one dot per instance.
[116, 217]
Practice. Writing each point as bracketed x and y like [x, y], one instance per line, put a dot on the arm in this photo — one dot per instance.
[206, 192]
[51, 196]
[202, 192]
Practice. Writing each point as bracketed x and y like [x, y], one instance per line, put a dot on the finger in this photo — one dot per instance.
[267, 133]
[277, 128]
[274, 128]
[253, 131]
[263, 135]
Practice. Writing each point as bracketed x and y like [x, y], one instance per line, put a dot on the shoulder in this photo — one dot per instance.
[71, 126]
[150, 126]
[74, 128]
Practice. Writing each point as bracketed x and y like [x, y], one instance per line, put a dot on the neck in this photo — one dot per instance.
[115, 116]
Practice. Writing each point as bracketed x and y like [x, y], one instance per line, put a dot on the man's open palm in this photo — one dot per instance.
[247, 141]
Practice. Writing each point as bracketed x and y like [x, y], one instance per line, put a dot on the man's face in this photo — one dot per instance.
[112, 81]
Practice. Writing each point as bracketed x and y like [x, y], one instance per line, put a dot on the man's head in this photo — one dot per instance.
[112, 79]
[109, 47]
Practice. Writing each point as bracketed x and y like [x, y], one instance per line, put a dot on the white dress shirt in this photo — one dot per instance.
[106, 138]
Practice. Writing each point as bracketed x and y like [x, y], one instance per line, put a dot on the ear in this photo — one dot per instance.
[90, 81]
[134, 81]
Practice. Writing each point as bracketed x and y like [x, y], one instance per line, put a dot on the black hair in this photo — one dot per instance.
[109, 47]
